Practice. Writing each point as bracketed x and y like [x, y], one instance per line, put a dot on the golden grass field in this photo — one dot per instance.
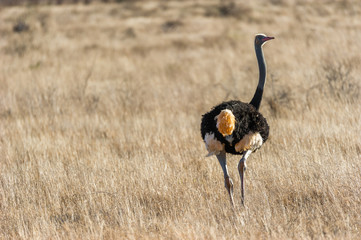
[100, 109]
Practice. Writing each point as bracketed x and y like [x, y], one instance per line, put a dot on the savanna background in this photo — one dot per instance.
[100, 109]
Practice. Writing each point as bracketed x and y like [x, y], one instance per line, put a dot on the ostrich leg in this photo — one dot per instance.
[228, 183]
[241, 168]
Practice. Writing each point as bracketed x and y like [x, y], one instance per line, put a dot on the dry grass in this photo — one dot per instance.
[100, 107]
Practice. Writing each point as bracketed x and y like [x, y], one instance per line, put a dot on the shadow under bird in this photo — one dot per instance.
[236, 127]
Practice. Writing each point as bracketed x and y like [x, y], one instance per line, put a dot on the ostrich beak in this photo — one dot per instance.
[267, 38]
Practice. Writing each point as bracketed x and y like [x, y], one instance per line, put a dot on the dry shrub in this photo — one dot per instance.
[21, 26]
[281, 99]
[229, 9]
[340, 82]
[171, 25]
[337, 82]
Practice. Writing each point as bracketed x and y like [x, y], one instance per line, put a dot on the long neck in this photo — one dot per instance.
[257, 97]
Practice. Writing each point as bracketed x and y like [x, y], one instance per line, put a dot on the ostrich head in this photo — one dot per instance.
[260, 39]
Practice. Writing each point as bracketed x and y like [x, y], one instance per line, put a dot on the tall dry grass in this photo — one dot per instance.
[100, 107]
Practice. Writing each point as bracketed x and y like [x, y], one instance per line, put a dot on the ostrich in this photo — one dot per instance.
[237, 128]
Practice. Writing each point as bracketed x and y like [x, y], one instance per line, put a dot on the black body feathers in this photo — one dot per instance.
[248, 119]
